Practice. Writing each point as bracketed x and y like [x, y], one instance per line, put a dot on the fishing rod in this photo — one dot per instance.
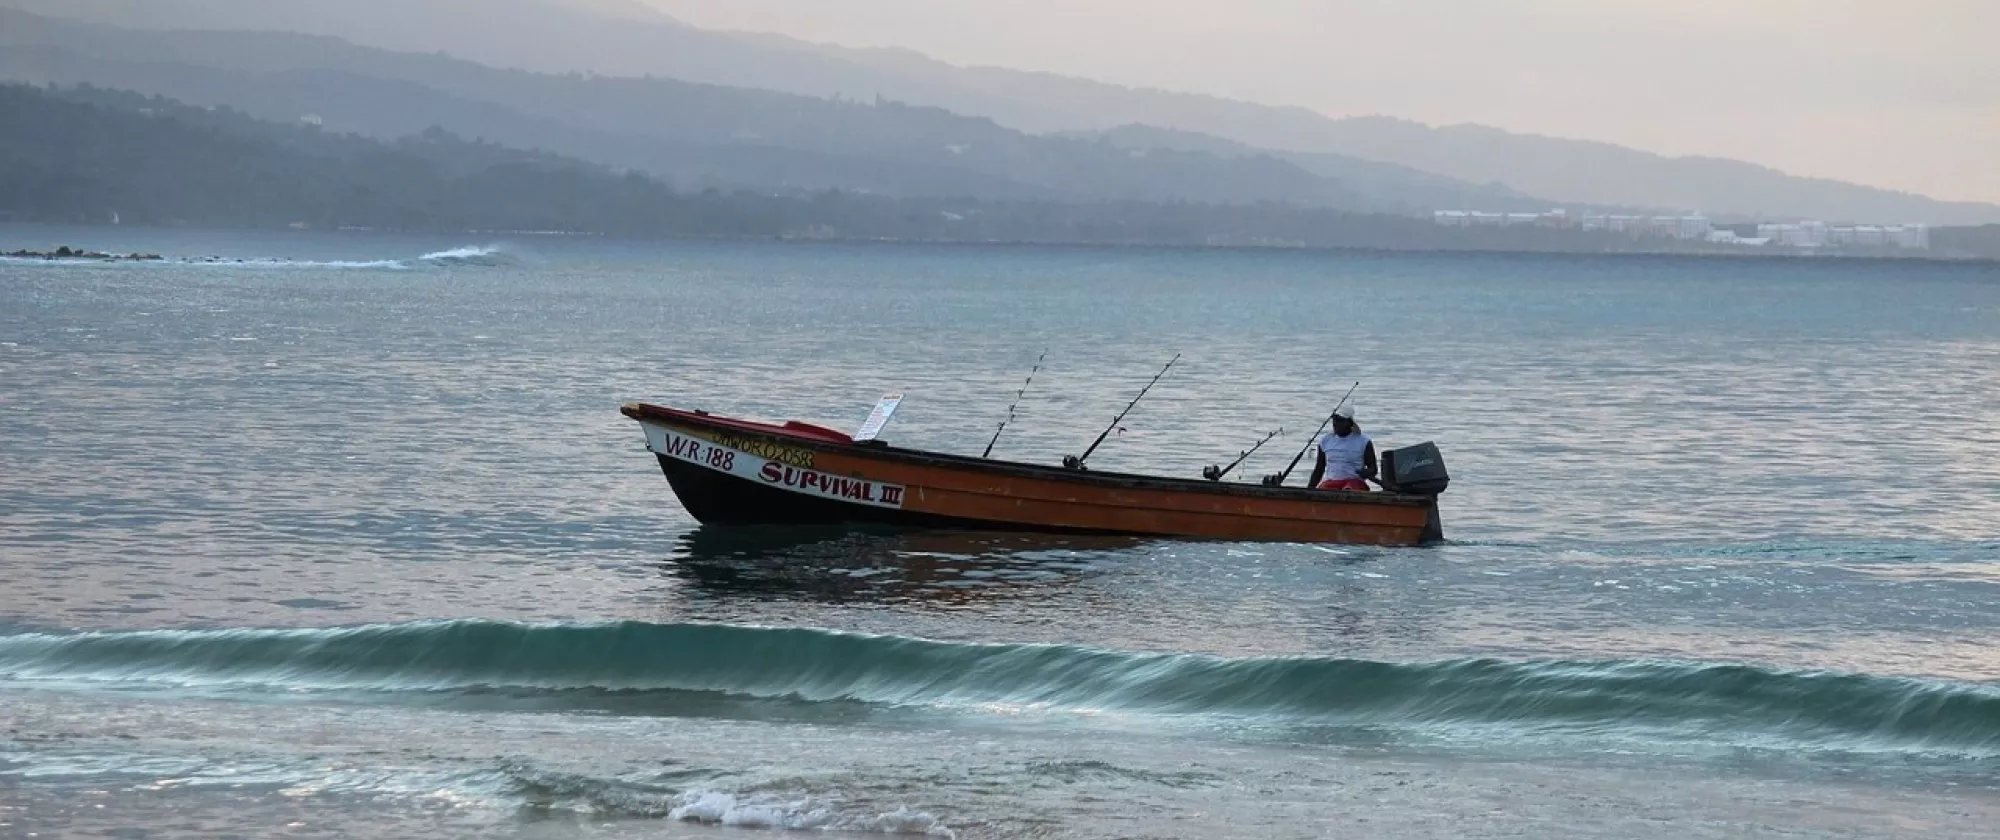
[1278, 479]
[1017, 401]
[1211, 473]
[1075, 462]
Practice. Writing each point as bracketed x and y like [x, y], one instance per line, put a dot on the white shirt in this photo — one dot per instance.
[1343, 454]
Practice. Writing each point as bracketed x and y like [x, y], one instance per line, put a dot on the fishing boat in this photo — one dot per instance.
[730, 471]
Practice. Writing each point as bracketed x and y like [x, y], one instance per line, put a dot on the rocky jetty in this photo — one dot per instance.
[67, 253]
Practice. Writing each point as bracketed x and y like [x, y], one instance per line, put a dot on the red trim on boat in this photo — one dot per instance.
[791, 428]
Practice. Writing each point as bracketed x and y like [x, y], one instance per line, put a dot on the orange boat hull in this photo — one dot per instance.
[737, 472]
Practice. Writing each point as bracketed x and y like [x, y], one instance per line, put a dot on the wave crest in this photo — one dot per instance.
[819, 666]
[488, 256]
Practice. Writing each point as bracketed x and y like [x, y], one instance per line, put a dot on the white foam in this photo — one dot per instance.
[269, 262]
[905, 821]
[466, 252]
[392, 265]
[397, 265]
[472, 255]
[718, 808]
[725, 809]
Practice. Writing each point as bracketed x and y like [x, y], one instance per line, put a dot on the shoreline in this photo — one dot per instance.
[66, 253]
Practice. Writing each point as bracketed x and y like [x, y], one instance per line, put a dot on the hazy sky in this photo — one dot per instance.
[1897, 94]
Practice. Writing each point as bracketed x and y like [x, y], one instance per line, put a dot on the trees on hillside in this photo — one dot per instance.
[84, 154]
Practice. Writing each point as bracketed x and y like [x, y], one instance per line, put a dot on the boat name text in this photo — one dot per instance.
[852, 489]
[752, 466]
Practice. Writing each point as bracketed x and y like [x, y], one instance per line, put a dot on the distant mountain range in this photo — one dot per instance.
[1267, 151]
[88, 155]
[694, 135]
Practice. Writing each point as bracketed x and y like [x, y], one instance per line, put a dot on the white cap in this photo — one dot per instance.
[1345, 412]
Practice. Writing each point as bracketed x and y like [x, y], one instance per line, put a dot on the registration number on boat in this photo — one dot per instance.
[752, 467]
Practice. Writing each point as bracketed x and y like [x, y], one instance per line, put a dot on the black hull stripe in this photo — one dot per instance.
[717, 498]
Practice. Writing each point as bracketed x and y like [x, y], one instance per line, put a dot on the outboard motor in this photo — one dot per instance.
[1417, 470]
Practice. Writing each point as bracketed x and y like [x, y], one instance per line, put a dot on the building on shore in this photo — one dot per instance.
[1814, 234]
[1809, 234]
[1691, 227]
[1730, 237]
[1914, 237]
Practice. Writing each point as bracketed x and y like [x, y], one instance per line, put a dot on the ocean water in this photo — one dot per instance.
[342, 535]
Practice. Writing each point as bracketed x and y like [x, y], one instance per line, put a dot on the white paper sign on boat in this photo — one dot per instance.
[879, 417]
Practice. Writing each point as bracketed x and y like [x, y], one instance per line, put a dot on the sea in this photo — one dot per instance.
[342, 534]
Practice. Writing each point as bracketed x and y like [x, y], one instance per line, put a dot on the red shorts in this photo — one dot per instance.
[1343, 484]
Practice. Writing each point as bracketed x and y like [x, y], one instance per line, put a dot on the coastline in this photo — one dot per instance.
[66, 253]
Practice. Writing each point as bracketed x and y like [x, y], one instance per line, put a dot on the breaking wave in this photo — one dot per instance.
[1730, 703]
[490, 256]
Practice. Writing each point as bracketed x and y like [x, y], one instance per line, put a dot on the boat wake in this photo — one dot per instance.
[647, 666]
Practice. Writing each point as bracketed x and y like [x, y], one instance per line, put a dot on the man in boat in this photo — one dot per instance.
[1346, 455]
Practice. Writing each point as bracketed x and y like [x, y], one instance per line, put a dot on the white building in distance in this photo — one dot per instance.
[1696, 227]
[1813, 234]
